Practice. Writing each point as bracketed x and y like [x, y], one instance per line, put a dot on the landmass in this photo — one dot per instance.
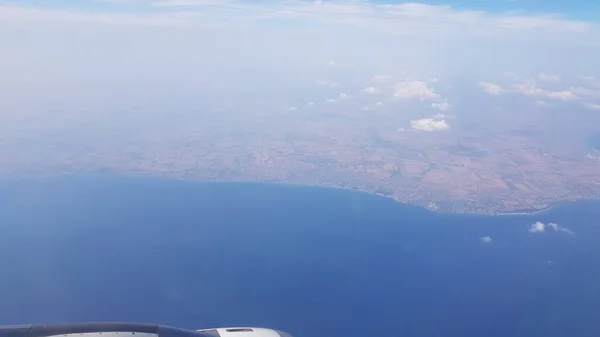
[480, 167]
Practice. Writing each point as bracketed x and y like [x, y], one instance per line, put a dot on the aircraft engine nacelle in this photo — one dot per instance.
[244, 332]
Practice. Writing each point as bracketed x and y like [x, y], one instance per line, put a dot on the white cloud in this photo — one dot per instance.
[531, 90]
[443, 106]
[293, 108]
[439, 116]
[564, 95]
[486, 239]
[429, 125]
[379, 103]
[566, 230]
[592, 106]
[414, 90]
[529, 87]
[310, 103]
[558, 228]
[491, 88]
[343, 96]
[331, 100]
[372, 90]
[540, 227]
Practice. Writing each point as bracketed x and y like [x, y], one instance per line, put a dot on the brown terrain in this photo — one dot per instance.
[489, 165]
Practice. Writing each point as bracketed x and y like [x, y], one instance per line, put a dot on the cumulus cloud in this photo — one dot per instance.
[532, 90]
[429, 125]
[414, 90]
[491, 88]
[372, 90]
[310, 103]
[344, 96]
[535, 87]
[485, 239]
[293, 108]
[443, 106]
[540, 227]
[331, 100]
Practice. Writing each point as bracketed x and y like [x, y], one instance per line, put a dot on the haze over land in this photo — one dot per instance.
[474, 111]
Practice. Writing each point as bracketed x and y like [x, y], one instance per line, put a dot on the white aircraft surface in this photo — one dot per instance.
[109, 329]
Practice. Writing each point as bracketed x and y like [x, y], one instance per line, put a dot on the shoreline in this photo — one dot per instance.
[291, 184]
[503, 214]
[334, 187]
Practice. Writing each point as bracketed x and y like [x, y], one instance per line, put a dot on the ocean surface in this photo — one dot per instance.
[315, 262]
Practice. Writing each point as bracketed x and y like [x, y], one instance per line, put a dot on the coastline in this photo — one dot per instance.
[420, 205]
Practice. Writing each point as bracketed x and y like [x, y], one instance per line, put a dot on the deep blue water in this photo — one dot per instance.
[311, 261]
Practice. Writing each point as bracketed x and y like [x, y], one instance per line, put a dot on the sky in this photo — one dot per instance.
[90, 58]
[577, 9]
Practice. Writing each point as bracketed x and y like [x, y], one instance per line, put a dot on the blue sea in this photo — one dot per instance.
[315, 262]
